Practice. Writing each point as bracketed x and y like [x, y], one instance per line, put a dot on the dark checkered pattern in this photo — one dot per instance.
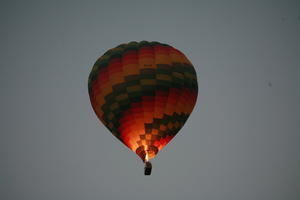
[143, 93]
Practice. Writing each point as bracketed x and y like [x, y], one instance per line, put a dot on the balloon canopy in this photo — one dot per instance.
[143, 92]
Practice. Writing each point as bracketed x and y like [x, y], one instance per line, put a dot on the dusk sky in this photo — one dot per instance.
[242, 141]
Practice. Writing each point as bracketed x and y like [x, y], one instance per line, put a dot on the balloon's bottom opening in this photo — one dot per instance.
[146, 153]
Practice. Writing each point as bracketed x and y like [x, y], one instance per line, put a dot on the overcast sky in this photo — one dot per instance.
[242, 140]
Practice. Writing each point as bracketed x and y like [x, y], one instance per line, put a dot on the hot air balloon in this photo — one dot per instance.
[143, 92]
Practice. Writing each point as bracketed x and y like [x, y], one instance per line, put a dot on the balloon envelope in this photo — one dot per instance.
[143, 93]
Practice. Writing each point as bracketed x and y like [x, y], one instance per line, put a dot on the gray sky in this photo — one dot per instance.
[241, 142]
